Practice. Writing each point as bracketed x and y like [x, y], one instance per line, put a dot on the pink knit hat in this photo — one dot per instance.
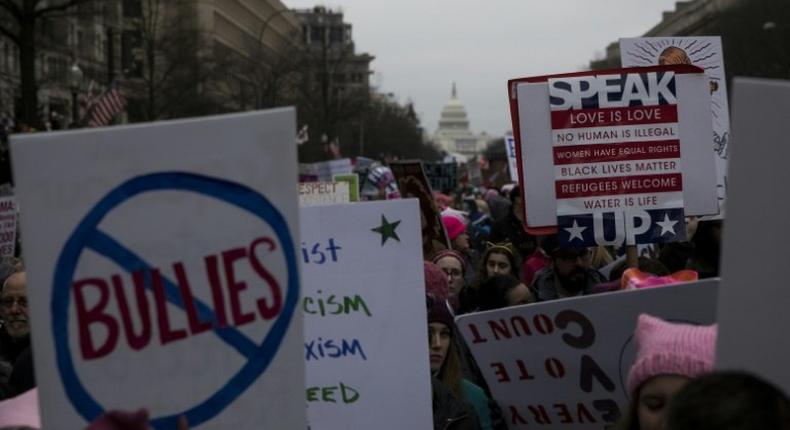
[450, 253]
[453, 225]
[666, 348]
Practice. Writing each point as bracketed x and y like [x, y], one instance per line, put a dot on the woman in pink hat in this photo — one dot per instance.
[668, 356]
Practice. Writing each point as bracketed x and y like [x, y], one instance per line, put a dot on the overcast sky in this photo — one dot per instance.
[422, 46]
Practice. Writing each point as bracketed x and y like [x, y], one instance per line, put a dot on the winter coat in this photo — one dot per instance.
[449, 413]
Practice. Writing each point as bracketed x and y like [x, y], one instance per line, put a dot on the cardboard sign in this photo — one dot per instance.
[705, 52]
[475, 175]
[530, 107]
[754, 295]
[362, 273]
[442, 176]
[353, 184]
[169, 279]
[564, 364]
[616, 153]
[412, 183]
[512, 160]
[323, 193]
[8, 215]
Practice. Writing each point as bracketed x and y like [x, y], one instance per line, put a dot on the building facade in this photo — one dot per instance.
[689, 18]
[453, 135]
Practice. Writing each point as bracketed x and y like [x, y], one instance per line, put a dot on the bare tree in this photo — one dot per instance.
[19, 22]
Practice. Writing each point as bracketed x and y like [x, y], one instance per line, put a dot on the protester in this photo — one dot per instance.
[511, 228]
[535, 262]
[445, 362]
[568, 275]
[15, 336]
[668, 356]
[498, 205]
[453, 264]
[498, 259]
[729, 400]
[456, 232]
[707, 249]
[501, 291]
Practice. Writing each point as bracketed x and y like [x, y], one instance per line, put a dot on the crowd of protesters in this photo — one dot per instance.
[492, 263]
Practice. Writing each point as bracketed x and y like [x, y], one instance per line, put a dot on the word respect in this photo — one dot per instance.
[200, 318]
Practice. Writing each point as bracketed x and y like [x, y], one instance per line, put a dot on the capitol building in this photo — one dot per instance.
[454, 136]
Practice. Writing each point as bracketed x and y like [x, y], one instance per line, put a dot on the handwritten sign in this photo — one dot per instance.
[705, 52]
[171, 270]
[353, 184]
[563, 364]
[412, 183]
[616, 151]
[323, 193]
[362, 271]
[8, 215]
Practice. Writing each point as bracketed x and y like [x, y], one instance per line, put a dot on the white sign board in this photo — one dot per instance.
[754, 296]
[705, 52]
[693, 130]
[8, 215]
[326, 169]
[616, 151]
[367, 365]
[512, 159]
[563, 364]
[169, 278]
[323, 193]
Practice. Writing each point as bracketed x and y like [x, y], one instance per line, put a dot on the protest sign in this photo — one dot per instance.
[8, 215]
[614, 92]
[412, 183]
[323, 193]
[367, 365]
[475, 175]
[564, 364]
[617, 156]
[353, 184]
[705, 52]
[170, 271]
[443, 177]
[326, 169]
[754, 295]
[512, 160]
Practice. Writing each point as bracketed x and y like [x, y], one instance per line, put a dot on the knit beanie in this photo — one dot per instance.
[437, 292]
[435, 280]
[453, 225]
[665, 348]
[450, 253]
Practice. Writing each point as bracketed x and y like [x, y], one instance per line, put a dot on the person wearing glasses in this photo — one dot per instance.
[568, 274]
[14, 337]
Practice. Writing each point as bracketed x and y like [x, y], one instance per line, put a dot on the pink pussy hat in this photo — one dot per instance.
[665, 348]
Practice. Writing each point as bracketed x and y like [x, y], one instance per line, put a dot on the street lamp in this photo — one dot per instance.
[75, 81]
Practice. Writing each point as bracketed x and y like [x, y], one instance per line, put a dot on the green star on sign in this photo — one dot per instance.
[387, 230]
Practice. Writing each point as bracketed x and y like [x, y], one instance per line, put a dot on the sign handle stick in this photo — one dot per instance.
[631, 256]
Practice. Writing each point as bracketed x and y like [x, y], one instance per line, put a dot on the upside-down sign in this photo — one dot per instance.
[168, 279]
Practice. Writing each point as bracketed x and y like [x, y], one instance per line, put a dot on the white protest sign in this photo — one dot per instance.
[8, 216]
[512, 160]
[754, 295]
[692, 136]
[326, 169]
[323, 193]
[563, 364]
[367, 364]
[702, 51]
[169, 278]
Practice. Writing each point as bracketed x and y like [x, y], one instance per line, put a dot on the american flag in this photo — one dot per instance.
[105, 107]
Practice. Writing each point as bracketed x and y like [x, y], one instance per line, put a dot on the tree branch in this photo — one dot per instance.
[59, 7]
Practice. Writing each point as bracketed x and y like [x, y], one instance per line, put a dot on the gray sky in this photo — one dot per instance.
[422, 46]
